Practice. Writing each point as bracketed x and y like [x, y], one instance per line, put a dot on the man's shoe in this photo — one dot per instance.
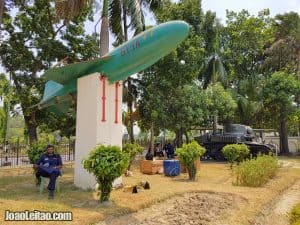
[38, 181]
[51, 194]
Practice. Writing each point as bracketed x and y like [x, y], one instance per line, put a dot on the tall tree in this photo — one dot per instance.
[279, 94]
[33, 42]
[167, 83]
[127, 15]
[117, 16]
[283, 54]
[243, 41]
[284, 51]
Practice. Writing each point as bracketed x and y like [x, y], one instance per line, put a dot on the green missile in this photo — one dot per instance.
[131, 57]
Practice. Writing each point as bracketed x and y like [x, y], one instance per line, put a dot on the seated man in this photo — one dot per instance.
[49, 165]
[149, 155]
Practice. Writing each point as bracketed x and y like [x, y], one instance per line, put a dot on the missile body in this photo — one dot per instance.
[131, 57]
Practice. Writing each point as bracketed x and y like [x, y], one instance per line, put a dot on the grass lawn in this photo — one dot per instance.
[18, 192]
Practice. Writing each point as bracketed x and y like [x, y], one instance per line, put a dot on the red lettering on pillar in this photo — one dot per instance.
[117, 84]
[103, 98]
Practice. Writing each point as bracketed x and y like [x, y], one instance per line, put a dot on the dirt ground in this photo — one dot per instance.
[192, 208]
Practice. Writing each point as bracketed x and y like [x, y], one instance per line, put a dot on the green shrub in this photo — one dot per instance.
[235, 153]
[132, 150]
[107, 163]
[188, 154]
[36, 150]
[256, 172]
[295, 215]
[244, 152]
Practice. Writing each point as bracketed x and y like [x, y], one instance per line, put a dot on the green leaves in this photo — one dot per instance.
[36, 150]
[256, 172]
[281, 90]
[132, 150]
[33, 42]
[188, 154]
[107, 163]
[235, 153]
[220, 101]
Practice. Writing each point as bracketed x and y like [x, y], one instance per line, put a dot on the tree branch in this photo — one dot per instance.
[56, 32]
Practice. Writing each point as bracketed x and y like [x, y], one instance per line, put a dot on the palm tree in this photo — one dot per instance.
[132, 9]
[115, 15]
[213, 73]
[214, 70]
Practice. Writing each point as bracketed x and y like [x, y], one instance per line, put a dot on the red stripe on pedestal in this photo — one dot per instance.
[103, 98]
[117, 101]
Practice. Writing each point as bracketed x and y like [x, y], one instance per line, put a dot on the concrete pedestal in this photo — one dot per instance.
[98, 121]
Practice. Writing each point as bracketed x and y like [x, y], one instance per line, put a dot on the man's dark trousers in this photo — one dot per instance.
[53, 175]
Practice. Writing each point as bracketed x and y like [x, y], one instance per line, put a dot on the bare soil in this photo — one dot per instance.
[201, 208]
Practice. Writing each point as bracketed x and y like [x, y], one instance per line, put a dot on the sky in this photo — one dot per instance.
[253, 6]
[220, 6]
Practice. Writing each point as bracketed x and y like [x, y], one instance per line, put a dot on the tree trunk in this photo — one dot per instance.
[192, 171]
[152, 138]
[128, 81]
[187, 140]
[104, 32]
[29, 116]
[31, 126]
[106, 188]
[178, 139]
[284, 147]
[215, 124]
[130, 110]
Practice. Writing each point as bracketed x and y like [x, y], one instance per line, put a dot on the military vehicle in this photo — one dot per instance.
[231, 134]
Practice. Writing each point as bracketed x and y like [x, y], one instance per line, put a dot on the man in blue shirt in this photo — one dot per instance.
[49, 165]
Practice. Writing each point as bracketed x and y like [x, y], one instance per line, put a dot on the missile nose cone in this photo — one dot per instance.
[179, 29]
[183, 26]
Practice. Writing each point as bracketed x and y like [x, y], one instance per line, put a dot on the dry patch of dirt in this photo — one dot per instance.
[200, 208]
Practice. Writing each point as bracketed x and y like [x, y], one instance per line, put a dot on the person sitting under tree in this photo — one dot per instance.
[49, 165]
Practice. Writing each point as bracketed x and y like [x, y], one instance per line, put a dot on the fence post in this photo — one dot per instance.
[69, 149]
[18, 145]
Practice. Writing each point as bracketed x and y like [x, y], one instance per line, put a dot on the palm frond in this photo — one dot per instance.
[115, 20]
[152, 4]
[135, 12]
[214, 71]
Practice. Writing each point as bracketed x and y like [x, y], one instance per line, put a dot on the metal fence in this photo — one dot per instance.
[15, 154]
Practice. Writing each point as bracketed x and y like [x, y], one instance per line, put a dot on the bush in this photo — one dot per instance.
[188, 154]
[295, 215]
[36, 150]
[235, 153]
[132, 150]
[256, 172]
[107, 163]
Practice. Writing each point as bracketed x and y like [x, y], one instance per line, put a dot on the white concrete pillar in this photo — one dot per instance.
[98, 121]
